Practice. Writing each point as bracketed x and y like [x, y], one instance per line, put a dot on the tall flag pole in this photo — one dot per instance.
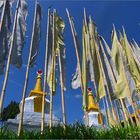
[85, 44]
[62, 89]
[31, 59]
[60, 25]
[45, 72]
[52, 75]
[9, 59]
[3, 13]
[122, 86]
[78, 70]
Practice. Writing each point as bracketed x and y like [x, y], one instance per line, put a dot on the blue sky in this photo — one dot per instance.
[104, 13]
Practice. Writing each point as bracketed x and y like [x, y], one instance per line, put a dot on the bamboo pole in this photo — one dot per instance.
[135, 114]
[53, 51]
[62, 90]
[2, 20]
[45, 74]
[76, 44]
[26, 77]
[2, 15]
[51, 106]
[9, 60]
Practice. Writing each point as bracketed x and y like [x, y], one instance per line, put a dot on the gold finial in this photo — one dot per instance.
[38, 86]
[91, 104]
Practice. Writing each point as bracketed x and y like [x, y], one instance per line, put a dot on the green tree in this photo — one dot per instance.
[10, 111]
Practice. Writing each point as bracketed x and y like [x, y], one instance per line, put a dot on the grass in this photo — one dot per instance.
[76, 131]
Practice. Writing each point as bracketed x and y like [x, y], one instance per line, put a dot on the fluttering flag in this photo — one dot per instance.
[36, 36]
[76, 80]
[136, 50]
[19, 34]
[84, 63]
[4, 33]
[131, 63]
[121, 88]
[94, 54]
[58, 26]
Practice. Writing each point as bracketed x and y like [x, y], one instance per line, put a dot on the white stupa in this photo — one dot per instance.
[94, 118]
[32, 116]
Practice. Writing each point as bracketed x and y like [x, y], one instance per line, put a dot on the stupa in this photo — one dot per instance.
[94, 118]
[33, 108]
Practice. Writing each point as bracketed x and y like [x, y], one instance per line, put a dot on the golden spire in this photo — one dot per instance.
[38, 86]
[91, 104]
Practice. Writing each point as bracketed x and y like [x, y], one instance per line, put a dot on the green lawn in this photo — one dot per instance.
[77, 131]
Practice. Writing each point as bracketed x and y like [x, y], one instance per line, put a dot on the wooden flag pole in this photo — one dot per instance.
[51, 106]
[53, 51]
[62, 90]
[8, 61]
[26, 77]
[2, 18]
[76, 44]
[135, 114]
[2, 15]
[45, 74]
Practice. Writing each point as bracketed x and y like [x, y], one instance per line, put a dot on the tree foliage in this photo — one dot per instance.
[10, 111]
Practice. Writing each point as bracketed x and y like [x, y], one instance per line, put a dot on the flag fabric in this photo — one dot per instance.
[131, 63]
[59, 26]
[94, 67]
[5, 34]
[84, 63]
[76, 77]
[59, 39]
[136, 50]
[36, 36]
[76, 80]
[121, 88]
[110, 77]
[94, 54]
[19, 34]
